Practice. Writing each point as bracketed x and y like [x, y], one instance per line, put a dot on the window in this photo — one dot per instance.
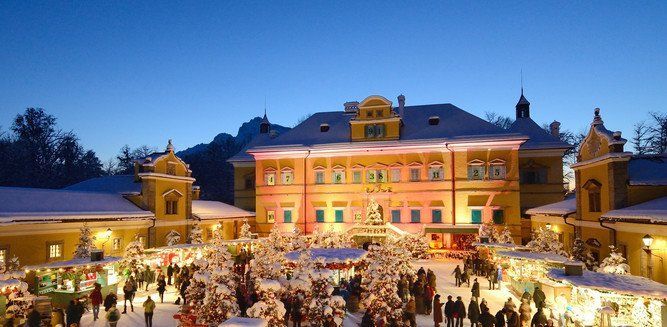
[4, 254]
[54, 250]
[319, 177]
[374, 130]
[319, 215]
[498, 216]
[497, 172]
[370, 131]
[117, 244]
[338, 214]
[287, 216]
[356, 177]
[249, 182]
[270, 178]
[396, 216]
[476, 216]
[381, 175]
[287, 176]
[533, 175]
[436, 215]
[476, 172]
[415, 215]
[270, 216]
[433, 120]
[594, 201]
[378, 113]
[369, 114]
[142, 239]
[172, 207]
[379, 130]
[395, 175]
[338, 177]
[371, 176]
[415, 174]
[435, 173]
[324, 128]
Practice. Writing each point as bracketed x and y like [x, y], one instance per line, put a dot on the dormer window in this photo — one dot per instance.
[435, 171]
[287, 176]
[319, 175]
[378, 113]
[369, 114]
[497, 169]
[324, 128]
[476, 170]
[593, 191]
[338, 176]
[433, 120]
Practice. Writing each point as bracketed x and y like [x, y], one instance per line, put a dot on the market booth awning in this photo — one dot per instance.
[244, 322]
[537, 256]
[620, 284]
[451, 229]
[332, 256]
[74, 263]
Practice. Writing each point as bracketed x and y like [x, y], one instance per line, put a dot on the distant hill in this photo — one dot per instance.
[208, 161]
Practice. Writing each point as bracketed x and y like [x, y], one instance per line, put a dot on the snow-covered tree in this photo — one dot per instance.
[296, 241]
[322, 304]
[373, 213]
[173, 237]
[505, 236]
[488, 230]
[580, 253]
[219, 302]
[10, 267]
[415, 244]
[380, 280]
[615, 263]
[269, 256]
[268, 307]
[546, 241]
[330, 239]
[85, 245]
[245, 230]
[196, 291]
[134, 252]
[196, 234]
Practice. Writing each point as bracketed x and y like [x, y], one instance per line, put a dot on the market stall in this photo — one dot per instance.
[63, 281]
[247, 322]
[342, 262]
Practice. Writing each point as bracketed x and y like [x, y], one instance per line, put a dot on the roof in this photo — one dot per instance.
[73, 263]
[244, 322]
[217, 210]
[45, 205]
[539, 256]
[538, 137]
[331, 255]
[562, 208]
[654, 211]
[648, 170]
[120, 184]
[257, 140]
[622, 284]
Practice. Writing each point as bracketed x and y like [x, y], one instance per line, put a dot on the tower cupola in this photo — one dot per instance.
[522, 107]
[264, 125]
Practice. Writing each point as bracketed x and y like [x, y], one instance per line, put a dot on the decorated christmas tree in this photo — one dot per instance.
[219, 302]
[85, 245]
[505, 236]
[380, 280]
[488, 230]
[173, 237]
[196, 234]
[322, 304]
[373, 213]
[245, 230]
[196, 291]
[269, 256]
[268, 307]
[546, 241]
[580, 253]
[330, 239]
[415, 244]
[295, 240]
[615, 263]
[133, 256]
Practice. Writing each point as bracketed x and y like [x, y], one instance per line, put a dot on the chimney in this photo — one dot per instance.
[554, 127]
[351, 107]
[196, 190]
[401, 105]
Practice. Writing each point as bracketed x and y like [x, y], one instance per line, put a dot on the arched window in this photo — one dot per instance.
[592, 188]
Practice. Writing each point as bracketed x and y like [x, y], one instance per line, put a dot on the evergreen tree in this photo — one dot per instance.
[173, 237]
[380, 280]
[546, 241]
[269, 257]
[245, 230]
[196, 234]
[505, 236]
[615, 263]
[322, 303]
[85, 245]
[133, 256]
[268, 307]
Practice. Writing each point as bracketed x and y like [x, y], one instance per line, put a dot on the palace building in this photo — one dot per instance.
[621, 200]
[43, 225]
[431, 168]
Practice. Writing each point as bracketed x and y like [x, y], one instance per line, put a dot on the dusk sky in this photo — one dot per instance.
[140, 73]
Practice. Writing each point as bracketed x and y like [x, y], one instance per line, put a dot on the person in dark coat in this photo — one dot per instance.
[500, 318]
[486, 319]
[296, 311]
[287, 303]
[473, 313]
[96, 300]
[449, 311]
[475, 290]
[184, 287]
[457, 275]
[34, 318]
[539, 319]
[110, 300]
[493, 278]
[74, 312]
[161, 287]
[170, 273]
[459, 312]
[437, 310]
[539, 297]
[368, 320]
[513, 319]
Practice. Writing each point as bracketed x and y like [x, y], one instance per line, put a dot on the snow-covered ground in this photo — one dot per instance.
[164, 312]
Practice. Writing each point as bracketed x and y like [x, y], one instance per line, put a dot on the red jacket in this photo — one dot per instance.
[96, 297]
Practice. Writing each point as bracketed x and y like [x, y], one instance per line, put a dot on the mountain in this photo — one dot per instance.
[209, 161]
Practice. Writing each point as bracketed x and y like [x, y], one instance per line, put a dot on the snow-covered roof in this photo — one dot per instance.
[182, 246]
[538, 137]
[549, 257]
[499, 245]
[204, 210]
[562, 208]
[332, 255]
[244, 322]
[22, 205]
[654, 211]
[648, 170]
[73, 263]
[120, 184]
[622, 284]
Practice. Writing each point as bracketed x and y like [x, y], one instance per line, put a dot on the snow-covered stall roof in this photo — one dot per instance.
[120, 184]
[539, 256]
[181, 246]
[562, 208]
[654, 211]
[73, 263]
[648, 170]
[217, 210]
[622, 284]
[19, 204]
[245, 322]
[508, 246]
[10, 283]
[332, 255]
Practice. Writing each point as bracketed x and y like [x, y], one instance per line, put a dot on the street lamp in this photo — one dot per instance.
[548, 226]
[648, 240]
[107, 236]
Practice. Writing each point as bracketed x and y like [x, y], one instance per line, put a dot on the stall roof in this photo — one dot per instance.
[244, 322]
[205, 210]
[331, 255]
[499, 245]
[550, 257]
[181, 246]
[73, 263]
[622, 284]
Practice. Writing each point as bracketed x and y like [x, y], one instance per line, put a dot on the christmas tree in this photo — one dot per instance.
[615, 263]
[373, 213]
[196, 291]
[331, 239]
[269, 307]
[415, 244]
[488, 230]
[245, 230]
[505, 236]
[322, 304]
[380, 280]
[546, 241]
[85, 245]
[296, 241]
[133, 256]
[219, 302]
[173, 237]
[580, 253]
[269, 256]
[196, 234]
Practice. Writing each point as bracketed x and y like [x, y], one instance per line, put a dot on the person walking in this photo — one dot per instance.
[74, 312]
[184, 286]
[539, 319]
[486, 319]
[513, 318]
[500, 317]
[539, 297]
[113, 315]
[493, 279]
[110, 300]
[149, 276]
[473, 313]
[296, 311]
[367, 320]
[475, 290]
[525, 313]
[161, 287]
[499, 277]
[34, 319]
[457, 275]
[449, 311]
[431, 279]
[437, 310]
[128, 291]
[96, 300]
[149, 308]
[459, 312]
[170, 273]
[410, 310]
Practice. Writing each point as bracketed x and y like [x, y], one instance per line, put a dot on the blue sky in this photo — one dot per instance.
[139, 73]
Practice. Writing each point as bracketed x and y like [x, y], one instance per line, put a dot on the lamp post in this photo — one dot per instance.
[107, 236]
[648, 240]
[548, 226]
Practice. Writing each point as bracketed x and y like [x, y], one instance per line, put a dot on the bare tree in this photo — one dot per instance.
[110, 167]
[499, 120]
[658, 132]
[641, 137]
[302, 119]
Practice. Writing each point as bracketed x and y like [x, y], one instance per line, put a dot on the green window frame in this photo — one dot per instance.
[436, 215]
[396, 216]
[415, 215]
[476, 216]
[498, 216]
[319, 215]
[287, 216]
[338, 215]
